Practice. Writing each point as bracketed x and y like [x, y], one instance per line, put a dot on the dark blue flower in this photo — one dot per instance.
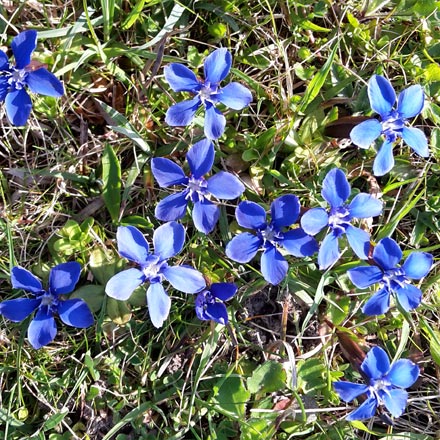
[270, 236]
[392, 277]
[394, 124]
[168, 241]
[62, 280]
[209, 303]
[197, 189]
[336, 190]
[14, 79]
[385, 385]
[208, 93]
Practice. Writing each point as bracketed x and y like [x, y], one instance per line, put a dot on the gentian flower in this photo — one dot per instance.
[209, 302]
[62, 280]
[168, 241]
[14, 79]
[197, 189]
[393, 125]
[336, 190]
[270, 236]
[208, 93]
[394, 279]
[385, 385]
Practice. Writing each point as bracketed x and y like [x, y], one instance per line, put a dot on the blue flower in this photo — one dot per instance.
[208, 93]
[336, 190]
[209, 303]
[385, 385]
[270, 236]
[62, 280]
[25, 73]
[394, 122]
[168, 241]
[198, 190]
[393, 278]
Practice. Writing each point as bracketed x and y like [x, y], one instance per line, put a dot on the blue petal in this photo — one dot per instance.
[180, 78]
[200, 306]
[167, 173]
[410, 101]
[200, 158]
[23, 279]
[335, 188]
[18, 309]
[22, 46]
[121, 285]
[4, 86]
[132, 244]
[42, 329]
[384, 160]
[45, 83]
[217, 312]
[63, 277]
[378, 304]
[416, 139]
[226, 186]
[403, 373]
[243, 247]
[365, 133]
[75, 312]
[284, 210]
[329, 252]
[182, 113]
[365, 276]
[215, 122]
[235, 96]
[250, 215]
[365, 205]
[217, 65]
[365, 411]
[395, 401]
[314, 220]
[18, 107]
[299, 244]
[359, 241]
[273, 266]
[159, 304]
[417, 265]
[185, 278]
[172, 207]
[223, 291]
[205, 216]
[409, 297]
[168, 240]
[348, 391]
[4, 62]
[376, 364]
[381, 94]
[387, 253]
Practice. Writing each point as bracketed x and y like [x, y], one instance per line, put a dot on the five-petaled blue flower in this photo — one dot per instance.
[385, 385]
[270, 236]
[25, 73]
[168, 241]
[393, 278]
[394, 122]
[198, 190]
[336, 190]
[62, 280]
[208, 93]
[209, 303]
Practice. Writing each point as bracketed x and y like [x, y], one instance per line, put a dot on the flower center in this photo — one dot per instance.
[394, 278]
[18, 77]
[153, 267]
[392, 126]
[271, 235]
[208, 92]
[379, 387]
[339, 219]
[197, 189]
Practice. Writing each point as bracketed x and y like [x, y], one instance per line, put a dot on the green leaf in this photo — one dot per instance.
[267, 378]
[118, 311]
[434, 346]
[134, 15]
[104, 265]
[407, 436]
[54, 420]
[232, 396]
[111, 176]
[92, 294]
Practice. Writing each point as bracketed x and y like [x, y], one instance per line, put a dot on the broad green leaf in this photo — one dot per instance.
[104, 265]
[133, 16]
[54, 420]
[118, 311]
[267, 378]
[111, 176]
[232, 396]
[92, 294]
